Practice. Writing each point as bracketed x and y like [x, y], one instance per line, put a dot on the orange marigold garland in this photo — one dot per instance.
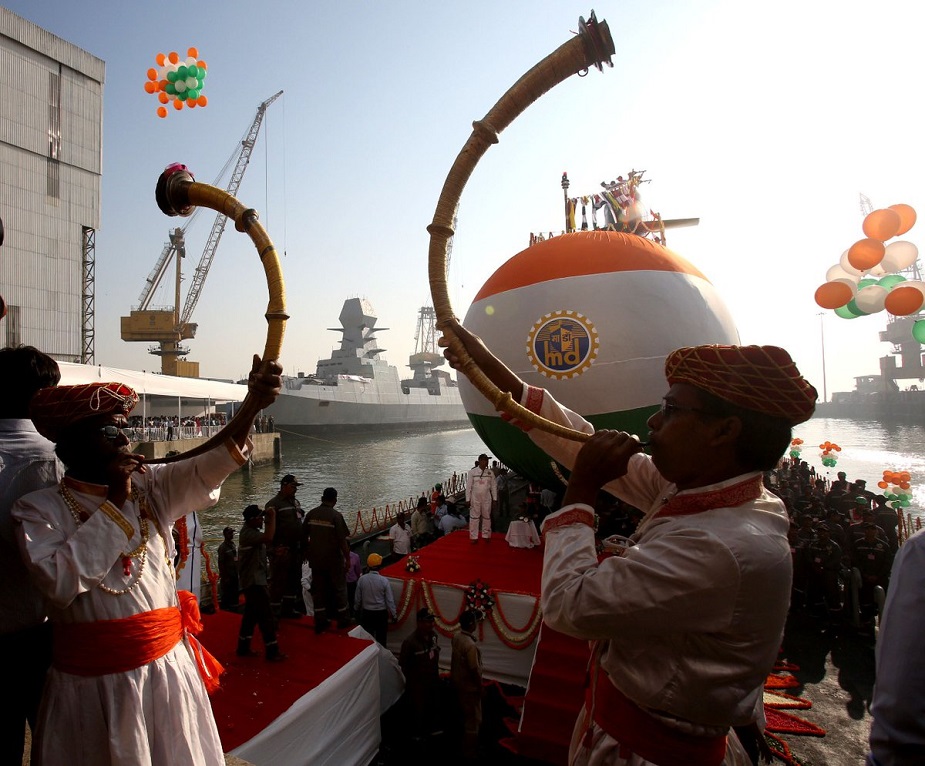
[511, 636]
[210, 574]
[182, 543]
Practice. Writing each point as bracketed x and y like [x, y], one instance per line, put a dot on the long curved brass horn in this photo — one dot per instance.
[177, 193]
[592, 46]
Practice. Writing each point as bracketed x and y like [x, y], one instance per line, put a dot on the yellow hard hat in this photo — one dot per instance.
[374, 560]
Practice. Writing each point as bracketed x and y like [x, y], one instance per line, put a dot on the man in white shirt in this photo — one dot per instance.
[481, 492]
[27, 463]
[400, 537]
[687, 623]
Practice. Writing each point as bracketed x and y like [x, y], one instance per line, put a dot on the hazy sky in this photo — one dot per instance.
[765, 120]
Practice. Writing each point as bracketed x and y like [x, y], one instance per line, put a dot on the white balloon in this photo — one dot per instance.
[836, 272]
[190, 60]
[191, 82]
[180, 86]
[847, 267]
[870, 299]
[899, 255]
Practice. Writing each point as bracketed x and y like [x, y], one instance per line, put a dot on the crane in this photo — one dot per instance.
[169, 327]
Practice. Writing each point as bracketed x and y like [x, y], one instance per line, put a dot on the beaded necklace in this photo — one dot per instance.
[140, 552]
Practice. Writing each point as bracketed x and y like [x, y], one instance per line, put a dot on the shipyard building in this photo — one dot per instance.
[51, 141]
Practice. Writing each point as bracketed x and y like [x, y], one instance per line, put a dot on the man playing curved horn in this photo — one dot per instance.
[128, 682]
[687, 624]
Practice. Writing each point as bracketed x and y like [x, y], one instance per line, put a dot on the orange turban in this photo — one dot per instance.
[53, 410]
[759, 378]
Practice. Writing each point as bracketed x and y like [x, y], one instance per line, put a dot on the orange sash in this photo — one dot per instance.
[116, 646]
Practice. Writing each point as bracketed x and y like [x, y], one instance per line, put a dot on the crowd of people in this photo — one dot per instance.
[843, 539]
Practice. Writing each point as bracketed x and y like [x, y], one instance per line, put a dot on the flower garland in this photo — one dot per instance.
[412, 564]
[480, 599]
[182, 543]
[511, 636]
[210, 573]
[406, 600]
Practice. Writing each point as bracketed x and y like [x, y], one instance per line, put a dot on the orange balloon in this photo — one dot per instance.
[905, 476]
[150, 87]
[903, 301]
[191, 103]
[163, 97]
[202, 65]
[904, 485]
[833, 295]
[866, 253]
[174, 57]
[881, 224]
[882, 484]
[152, 74]
[162, 111]
[202, 101]
[194, 52]
[177, 104]
[906, 217]
[160, 58]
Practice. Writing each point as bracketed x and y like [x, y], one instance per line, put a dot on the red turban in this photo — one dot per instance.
[759, 378]
[55, 409]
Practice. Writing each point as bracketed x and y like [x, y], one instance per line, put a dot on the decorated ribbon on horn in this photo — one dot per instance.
[178, 193]
[592, 46]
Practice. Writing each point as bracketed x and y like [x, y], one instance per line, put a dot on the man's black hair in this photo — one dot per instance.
[24, 370]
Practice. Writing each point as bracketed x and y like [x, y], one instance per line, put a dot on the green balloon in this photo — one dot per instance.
[202, 73]
[171, 76]
[841, 311]
[181, 72]
[170, 89]
[891, 280]
[918, 331]
[852, 306]
[192, 71]
[192, 94]
[866, 282]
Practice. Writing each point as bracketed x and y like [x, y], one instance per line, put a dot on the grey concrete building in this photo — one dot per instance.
[51, 142]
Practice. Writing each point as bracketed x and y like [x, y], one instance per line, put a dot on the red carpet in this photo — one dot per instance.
[453, 560]
[255, 692]
[554, 698]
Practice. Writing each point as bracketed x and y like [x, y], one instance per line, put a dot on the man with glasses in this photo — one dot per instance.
[129, 683]
[688, 622]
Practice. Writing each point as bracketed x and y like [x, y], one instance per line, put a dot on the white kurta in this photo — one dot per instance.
[158, 713]
[691, 618]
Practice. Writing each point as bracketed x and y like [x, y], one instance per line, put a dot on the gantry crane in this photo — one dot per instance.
[169, 327]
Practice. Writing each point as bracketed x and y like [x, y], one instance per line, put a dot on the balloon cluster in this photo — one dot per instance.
[796, 447]
[829, 458]
[177, 81]
[897, 485]
[864, 281]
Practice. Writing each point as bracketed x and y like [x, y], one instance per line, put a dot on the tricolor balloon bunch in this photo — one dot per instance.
[865, 280]
[829, 458]
[897, 488]
[796, 447]
[177, 81]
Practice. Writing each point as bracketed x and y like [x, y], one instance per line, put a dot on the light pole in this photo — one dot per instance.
[825, 393]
